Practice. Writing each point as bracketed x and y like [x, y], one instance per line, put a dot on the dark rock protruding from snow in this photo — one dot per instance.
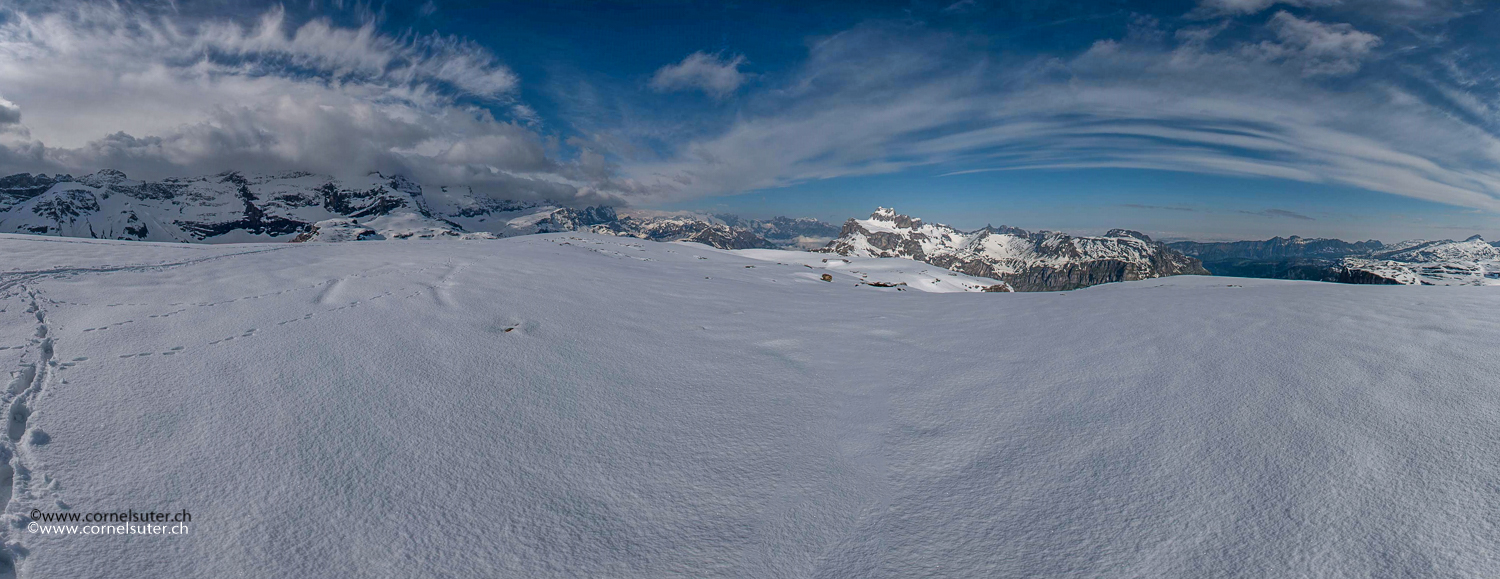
[337, 230]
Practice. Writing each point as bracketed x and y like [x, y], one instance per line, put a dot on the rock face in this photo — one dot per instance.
[1027, 261]
[1363, 276]
[240, 207]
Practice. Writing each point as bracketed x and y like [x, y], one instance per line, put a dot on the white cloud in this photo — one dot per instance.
[871, 102]
[713, 74]
[107, 86]
[1398, 11]
[9, 113]
[1317, 47]
[1211, 8]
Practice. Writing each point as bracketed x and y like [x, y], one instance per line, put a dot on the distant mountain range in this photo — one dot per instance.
[1027, 261]
[241, 207]
[1444, 262]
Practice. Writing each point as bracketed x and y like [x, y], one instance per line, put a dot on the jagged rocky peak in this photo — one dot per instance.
[1128, 233]
[898, 220]
[104, 178]
[1475, 237]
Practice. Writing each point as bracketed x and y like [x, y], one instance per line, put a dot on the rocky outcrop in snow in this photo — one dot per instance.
[1027, 261]
[337, 230]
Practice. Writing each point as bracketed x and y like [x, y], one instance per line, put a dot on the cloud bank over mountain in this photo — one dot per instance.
[114, 86]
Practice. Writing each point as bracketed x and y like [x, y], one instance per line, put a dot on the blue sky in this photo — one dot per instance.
[1209, 119]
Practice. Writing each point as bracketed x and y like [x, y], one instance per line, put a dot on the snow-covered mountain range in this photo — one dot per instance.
[1444, 262]
[240, 207]
[1027, 261]
[1472, 261]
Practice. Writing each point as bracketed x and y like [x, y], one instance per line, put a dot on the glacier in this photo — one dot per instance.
[581, 405]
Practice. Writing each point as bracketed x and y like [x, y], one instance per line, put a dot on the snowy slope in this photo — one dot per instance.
[1027, 261]
[571, 405]
[901, 274]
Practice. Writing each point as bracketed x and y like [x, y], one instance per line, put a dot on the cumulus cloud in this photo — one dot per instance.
[874, 100]
[714, 74]
[112, 86]
[9, 113]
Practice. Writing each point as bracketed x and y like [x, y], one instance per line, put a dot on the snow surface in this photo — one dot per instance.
[571, 405]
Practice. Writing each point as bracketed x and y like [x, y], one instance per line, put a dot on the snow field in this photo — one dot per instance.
[570, 405]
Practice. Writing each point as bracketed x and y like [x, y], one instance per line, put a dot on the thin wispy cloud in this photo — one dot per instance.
[1279, 213]
[1157, 207]
[1216, 8]
[883, 99]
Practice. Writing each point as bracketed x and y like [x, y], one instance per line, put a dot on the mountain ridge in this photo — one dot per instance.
[235, 206]
[1027, 261]
[1415, 262]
